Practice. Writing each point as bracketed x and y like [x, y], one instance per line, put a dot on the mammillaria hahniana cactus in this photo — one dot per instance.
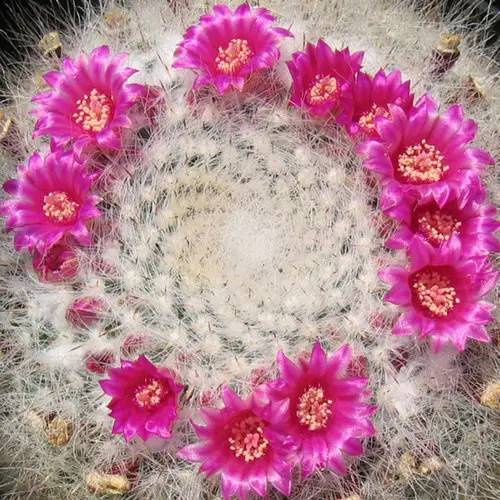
[234, 242]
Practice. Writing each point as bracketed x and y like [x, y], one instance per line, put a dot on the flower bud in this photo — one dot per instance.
[85, 311]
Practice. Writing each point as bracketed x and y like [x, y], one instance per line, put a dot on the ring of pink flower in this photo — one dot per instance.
[430, 183]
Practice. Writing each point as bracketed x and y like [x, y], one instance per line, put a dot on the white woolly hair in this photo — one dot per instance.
[241, 230]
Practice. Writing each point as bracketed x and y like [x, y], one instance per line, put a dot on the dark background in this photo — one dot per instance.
[18, 16]
[16, 13]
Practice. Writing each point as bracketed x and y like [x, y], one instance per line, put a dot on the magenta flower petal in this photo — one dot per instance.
[422, 154]
[440, 295]
[89, 101]
[242, 443]
[144, 399]
[51, 201]
[325, 411]
[371, 97]
[399, 295]
[226, 46]
[392, 274]
[339, 361]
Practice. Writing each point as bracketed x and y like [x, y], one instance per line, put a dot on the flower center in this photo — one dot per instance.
[93, 112]
[421, 164]
[231, 59]
[434, 292]
[437, 227]
[59, 207]
[150, 394]
[313, 410]
[247, 438]
[367, 120]
[324, 89]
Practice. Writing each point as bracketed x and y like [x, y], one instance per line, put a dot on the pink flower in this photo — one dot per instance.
[371, 96]
[323, 80]
[425, 154]
[144, 399]
[51, 201]
[239, 442]
[85, 311]
[56, 264]
[326, 412]
[89, 101]
[226, 46]
[471, 226]
[440, 295]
